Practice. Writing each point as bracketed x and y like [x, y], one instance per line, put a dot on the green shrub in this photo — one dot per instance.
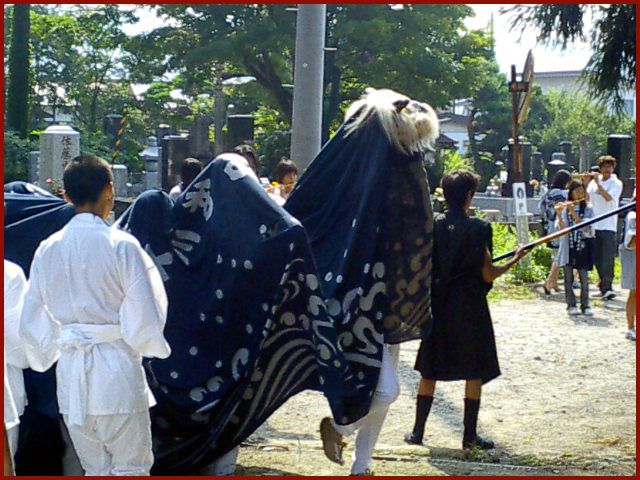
[536, 266]
[16, 157]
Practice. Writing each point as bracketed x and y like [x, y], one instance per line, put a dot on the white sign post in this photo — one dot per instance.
[521, 214]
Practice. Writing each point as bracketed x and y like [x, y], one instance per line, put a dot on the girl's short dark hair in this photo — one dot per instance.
[284, 168]
[560, 179]
[457, 184]
[85, 177]
[574, 185]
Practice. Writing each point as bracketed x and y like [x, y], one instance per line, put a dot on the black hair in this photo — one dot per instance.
[457, 184]
[560, 179]
[574, 185]
[247, 152]
[189, 169]
[284, 168]
[84, 179]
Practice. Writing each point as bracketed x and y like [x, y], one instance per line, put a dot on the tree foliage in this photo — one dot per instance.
[612, 67]
[423, 51]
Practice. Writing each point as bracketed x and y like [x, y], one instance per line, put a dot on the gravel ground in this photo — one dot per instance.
[565, 404]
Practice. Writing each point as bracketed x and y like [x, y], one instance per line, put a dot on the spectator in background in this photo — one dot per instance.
[557, 192]
[604, 194]
[628, 263]
[247, 152]
[286, 176]
[189, 170]
[576, 249]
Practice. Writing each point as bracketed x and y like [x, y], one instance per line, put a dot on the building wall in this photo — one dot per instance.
[570, 82]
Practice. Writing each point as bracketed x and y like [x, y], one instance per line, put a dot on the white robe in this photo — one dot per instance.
[97, 305]
[15, 286]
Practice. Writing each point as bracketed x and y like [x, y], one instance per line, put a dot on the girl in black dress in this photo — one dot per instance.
[461, 345]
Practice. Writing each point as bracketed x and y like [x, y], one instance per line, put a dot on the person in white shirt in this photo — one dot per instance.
[15, 286]
[628, 264]
[11, 422]
[604, 194]
[96, 305]
[189, 169]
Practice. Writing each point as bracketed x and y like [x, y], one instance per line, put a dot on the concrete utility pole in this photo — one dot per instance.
[307, 84]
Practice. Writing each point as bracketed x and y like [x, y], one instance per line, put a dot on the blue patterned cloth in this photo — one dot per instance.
[247, 323]
[367, 211]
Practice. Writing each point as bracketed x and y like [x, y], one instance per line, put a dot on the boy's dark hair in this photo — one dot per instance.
[457, 184]
[560, 179]
[284, 168]
[85, 177]
[602, 159]
[189, 169]
[247, 152]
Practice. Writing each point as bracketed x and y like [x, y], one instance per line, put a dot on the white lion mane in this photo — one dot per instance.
[411, 126]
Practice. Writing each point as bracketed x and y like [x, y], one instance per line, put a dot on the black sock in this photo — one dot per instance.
[471, 408]
[423, 407]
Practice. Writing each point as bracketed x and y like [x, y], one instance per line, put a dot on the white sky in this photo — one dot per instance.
[511, 47]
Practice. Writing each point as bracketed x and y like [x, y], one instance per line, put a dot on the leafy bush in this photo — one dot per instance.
[16, 157]
[535, 266]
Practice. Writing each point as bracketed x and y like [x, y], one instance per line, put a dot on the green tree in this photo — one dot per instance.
[573, 115]
[81, 51]
[18, 90]
[424, 51]
[612, 67]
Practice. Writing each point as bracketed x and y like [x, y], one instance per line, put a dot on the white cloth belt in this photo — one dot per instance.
[81, 338]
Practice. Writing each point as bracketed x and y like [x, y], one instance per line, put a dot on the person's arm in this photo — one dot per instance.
[143, 312]
[490, 271]
[38, 330]
[559, 208]
[601, 191]
[13, 304]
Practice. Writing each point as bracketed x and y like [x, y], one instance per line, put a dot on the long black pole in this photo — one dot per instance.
[565, 231]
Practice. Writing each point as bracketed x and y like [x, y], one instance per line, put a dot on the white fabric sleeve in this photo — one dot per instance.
[143, 312]
[630, 230]
[11, 417]
[13, 303]
[38, 330]
[615, 191]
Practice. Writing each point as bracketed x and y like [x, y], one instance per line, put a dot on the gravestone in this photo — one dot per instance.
[59, 144]
[175, 148]
[557, 163]
[151, 156]
[199, 144]
[32, 167]
[120, 176]
[537, 166]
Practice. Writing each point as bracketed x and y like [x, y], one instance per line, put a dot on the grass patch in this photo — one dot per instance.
[506, 290]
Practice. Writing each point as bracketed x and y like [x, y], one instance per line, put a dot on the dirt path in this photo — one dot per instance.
[564, 405]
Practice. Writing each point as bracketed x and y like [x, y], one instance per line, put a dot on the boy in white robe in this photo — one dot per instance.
[15, 286]
[96, 305]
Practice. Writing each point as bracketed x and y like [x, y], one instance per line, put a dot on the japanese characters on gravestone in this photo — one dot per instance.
[58, 145]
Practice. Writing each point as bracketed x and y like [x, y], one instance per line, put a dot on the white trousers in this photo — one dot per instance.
[225, 465]
[113, 445]
[369, 426]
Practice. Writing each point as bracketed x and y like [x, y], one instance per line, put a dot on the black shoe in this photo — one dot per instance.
[411, 439]
[478, 442]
